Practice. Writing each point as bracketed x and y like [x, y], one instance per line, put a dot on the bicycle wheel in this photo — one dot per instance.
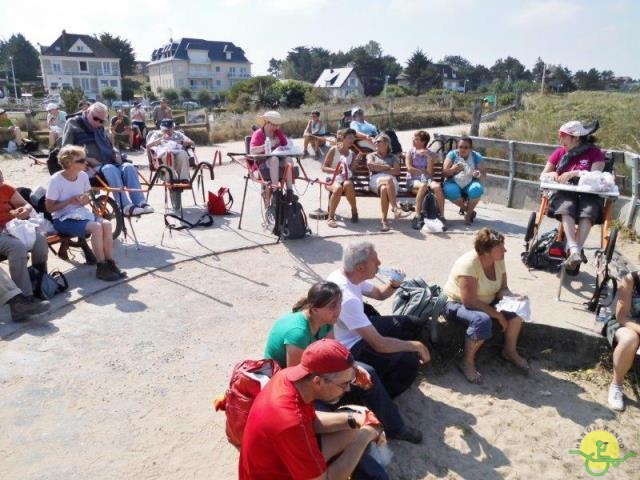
[107, 208]
[610, 248]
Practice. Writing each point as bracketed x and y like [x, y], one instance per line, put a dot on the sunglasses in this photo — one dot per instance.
[97, 119]
[81, 160]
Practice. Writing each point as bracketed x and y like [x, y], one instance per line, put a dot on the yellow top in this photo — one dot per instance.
[468, 265]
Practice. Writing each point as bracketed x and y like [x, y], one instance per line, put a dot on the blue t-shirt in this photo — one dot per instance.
[456, 158]
[364, 127]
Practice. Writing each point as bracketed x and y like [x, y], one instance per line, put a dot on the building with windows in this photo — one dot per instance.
[341, 82]
[198, 65]
[79, 61]
[450, 79]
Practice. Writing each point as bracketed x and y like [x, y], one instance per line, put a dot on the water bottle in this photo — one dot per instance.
[602, 317]
[392, 274]
[267, 146]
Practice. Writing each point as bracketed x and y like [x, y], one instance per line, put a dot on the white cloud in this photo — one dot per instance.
[284, 5]
[545, 13]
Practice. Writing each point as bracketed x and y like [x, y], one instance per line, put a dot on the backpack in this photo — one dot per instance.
[52, 161]
[291, 220]
[217, 204]
[430, 208]
[47, 285]
[417, 298]
[247, 380]
[546, 253]
[396, 147]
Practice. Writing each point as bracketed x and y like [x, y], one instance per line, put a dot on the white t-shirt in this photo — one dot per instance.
[60, 189]
[352, 315]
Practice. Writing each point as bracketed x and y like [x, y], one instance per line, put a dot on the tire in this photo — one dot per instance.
[107, 208]
[531, 227]
[611, 245]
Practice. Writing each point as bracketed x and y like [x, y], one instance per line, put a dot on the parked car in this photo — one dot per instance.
[189, 105]
[120, 104]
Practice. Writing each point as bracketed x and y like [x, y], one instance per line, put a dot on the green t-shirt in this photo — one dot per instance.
[6, 122]
[291, 329]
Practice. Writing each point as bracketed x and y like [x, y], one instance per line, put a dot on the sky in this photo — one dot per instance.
[577, 34]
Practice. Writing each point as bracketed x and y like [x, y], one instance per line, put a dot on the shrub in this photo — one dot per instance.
[171, 94]
[70, 98]
[109, 95]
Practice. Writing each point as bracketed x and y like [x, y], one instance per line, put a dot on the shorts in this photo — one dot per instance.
[412, 182]
[339, 179]
[376, 178]
[71, 228]
[577, 206]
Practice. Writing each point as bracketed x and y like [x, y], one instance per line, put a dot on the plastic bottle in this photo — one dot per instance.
[393, 274]
[267, 146]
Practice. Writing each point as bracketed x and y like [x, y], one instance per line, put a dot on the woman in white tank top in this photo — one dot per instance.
[340, 156]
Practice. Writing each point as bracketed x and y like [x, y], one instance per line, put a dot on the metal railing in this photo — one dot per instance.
[514, 169]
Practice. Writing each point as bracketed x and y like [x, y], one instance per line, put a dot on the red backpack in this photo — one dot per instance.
[217, 204]
[247, 379]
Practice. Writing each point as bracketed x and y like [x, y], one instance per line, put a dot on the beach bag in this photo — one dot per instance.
[47, 285]
[217, 205]
[546, 253]
[247, 380]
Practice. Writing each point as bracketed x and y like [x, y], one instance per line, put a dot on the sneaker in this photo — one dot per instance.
[132, 211]
[408, 434]
[104, 272]
[305, 153]
[573, 261]
[583, 256]
[147, 208]
[417, 223]
[22, 307]
[616, 397]
[112, 265]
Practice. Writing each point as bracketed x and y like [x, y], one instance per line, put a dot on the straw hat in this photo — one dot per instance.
[271, 117]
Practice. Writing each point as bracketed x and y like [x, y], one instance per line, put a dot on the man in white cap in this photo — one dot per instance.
[55, 119]
[265, 140]
[170, 146]
[364, 130]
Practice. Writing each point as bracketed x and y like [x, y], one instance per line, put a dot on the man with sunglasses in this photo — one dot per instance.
[285, 438]
[87, 130]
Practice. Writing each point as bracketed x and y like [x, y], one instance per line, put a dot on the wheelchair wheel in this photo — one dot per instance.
[531, 227]
[611, 245]
[107, 208]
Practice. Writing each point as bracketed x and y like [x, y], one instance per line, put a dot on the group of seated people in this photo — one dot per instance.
[337, 349]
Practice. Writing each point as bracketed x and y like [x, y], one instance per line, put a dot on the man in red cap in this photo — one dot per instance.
[285, 438]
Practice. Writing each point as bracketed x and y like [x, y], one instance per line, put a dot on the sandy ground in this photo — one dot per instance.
[119, 383]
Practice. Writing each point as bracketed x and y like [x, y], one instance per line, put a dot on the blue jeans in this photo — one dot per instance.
[123, 175]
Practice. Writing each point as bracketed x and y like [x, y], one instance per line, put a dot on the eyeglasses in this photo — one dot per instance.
[97, 119]
[342, 385]
[81, 160]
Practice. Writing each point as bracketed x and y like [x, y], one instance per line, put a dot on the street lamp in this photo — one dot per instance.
[13, 74]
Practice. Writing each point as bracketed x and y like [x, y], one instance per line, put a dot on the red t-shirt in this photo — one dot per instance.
[258, 138]
[279, 442]
[6, 192]
[581, 162]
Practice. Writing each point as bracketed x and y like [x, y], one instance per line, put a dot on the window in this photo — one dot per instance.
[106, 68]
[217, 69]
[243, 69]
[104, 83]
[114, 83]
[218, 83]
[79, 48]
[85, 84]
[56, 68]
[232, 69]
[84, 67]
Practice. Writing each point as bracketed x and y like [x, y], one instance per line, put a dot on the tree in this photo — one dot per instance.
[461, 65]
[26, 61]
[129, 87]
[204, 98]
[254, 87]
[509, 69]
[286, 93]
[71, 98]
[185, 93]
[171, 94]
[538, 69]
[275, 67]
[588, 80]
[122, 49]
[109, 95]
[417, 70]
[306, 63]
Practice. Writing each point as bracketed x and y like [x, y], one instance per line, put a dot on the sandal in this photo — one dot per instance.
[472, 376]
[385, 227]
[354, 216]
[332, 222]
[468, 219]
[398, 213]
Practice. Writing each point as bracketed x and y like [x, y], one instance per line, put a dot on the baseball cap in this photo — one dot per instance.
[166, 123]
[321, 357]
[52, 106]
[576, 128]
[355, 110]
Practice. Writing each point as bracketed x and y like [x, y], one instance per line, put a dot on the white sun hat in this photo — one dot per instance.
[271, 117]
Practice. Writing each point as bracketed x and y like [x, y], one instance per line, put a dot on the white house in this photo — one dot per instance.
[341, 82]
[79, 61]
[450, 79]
[198, 64]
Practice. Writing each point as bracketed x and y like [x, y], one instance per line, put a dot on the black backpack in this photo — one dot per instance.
[430, 209]
[546, 253]
[291, 220]
[396, 147]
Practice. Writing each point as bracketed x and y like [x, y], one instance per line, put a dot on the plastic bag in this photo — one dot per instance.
[432, 225]
[597, 181]
[23, 230]
[12, 147]
[519, 305]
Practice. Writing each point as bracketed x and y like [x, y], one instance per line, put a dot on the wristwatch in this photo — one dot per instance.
[351, 421]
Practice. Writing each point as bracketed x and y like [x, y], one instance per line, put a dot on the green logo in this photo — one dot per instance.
[600, 450]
